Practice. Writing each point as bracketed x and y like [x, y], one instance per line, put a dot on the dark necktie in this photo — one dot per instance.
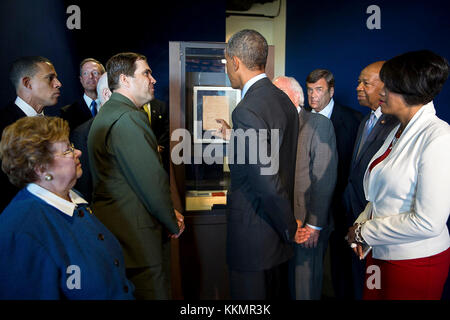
[93, 108]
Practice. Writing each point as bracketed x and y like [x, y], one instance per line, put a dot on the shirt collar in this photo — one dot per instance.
[52, 199]
[251, 82]
[88, 101]
[328, 110]
[26, 108]
[377, 113]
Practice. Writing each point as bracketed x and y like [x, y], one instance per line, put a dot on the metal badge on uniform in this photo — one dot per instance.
[89, 210]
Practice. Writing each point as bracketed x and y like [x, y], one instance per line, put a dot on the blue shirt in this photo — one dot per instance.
[48, 254]
[327, 111]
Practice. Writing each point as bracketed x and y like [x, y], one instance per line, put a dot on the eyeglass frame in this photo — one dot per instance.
[70, 149]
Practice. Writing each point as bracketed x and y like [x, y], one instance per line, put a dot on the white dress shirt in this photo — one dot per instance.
[408, 192]
[26, 108]
[88, 101]
[250, 82]
[55, 201]
[327, 111]
[378, 114]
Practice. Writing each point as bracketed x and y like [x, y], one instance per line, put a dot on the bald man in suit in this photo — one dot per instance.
[315, 179]
[372, 132]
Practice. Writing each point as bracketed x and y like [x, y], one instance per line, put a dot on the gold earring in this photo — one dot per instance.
[48, 177]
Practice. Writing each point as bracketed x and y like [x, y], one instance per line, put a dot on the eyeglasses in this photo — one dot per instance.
[70, 151]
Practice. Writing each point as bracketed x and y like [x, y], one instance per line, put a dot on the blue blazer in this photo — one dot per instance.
[46, 254]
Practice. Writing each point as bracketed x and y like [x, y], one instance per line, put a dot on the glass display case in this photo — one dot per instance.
[200, 93]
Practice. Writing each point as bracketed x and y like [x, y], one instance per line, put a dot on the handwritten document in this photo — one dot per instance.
[215, 107]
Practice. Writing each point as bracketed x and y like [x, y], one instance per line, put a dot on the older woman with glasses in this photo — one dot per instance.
[407, 184]
[51, 245]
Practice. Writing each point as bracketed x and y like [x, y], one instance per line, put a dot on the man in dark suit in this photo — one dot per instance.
[320, 88]
[131, 189]
[315, 179]
[79, 138]
[260, 221]
[37, 87]
[88, 105]
[372, 132]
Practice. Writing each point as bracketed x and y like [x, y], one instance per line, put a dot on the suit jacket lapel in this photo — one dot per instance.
[358, 139]
[377, 129]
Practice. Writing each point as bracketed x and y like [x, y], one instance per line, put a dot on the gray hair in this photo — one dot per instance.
[102, 84]
[25, 67]
[296, 87]
[249, 46]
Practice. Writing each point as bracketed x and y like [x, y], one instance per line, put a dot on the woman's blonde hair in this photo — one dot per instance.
[26, 145]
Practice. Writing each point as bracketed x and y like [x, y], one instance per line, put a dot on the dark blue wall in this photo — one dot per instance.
[333, 35]
[107, 27]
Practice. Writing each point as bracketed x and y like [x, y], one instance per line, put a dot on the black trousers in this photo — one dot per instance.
[271, 284]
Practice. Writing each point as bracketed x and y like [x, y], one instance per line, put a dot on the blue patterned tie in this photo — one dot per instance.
[93, 108]
[370, 123]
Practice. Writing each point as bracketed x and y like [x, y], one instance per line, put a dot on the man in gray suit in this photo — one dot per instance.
[315, 179]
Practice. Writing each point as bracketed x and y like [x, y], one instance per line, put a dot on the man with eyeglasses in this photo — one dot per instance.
[87, 107]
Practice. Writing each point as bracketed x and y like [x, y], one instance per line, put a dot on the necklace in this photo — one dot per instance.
[396, 137]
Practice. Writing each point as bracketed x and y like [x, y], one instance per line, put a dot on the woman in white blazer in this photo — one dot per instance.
[407, 185]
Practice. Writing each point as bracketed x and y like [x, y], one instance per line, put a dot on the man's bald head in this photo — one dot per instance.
[370, 85]
[292, 88]
[103, 92]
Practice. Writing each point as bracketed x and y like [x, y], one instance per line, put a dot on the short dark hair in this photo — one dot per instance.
[102, 68]
[417, 75]
[25, 67]
[121, 63]
[318, 74]
[249, 46]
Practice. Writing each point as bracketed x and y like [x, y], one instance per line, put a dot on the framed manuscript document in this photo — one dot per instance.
[210, 104]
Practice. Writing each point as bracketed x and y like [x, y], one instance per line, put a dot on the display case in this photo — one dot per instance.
[200, 93]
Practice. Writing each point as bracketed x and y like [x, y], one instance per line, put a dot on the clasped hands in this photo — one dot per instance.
[351, 240]
[181, 226]
[306, 236]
